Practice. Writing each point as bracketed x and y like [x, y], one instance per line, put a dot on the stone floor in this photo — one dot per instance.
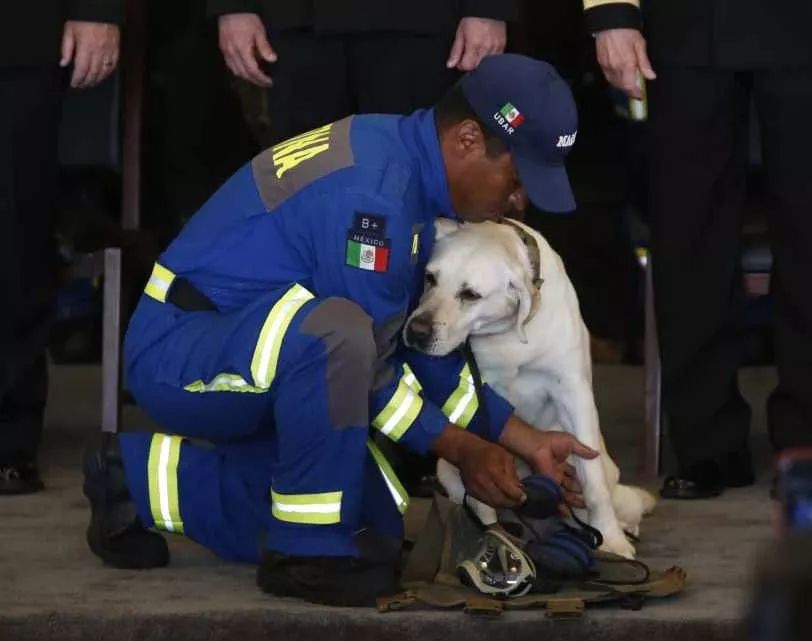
[52, 588]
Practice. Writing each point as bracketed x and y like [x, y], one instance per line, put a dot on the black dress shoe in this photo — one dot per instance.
[19, 477]
[701, 480]
[340, 581]
[709, 478]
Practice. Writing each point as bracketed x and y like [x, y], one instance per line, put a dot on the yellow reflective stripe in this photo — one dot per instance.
[401, 410]
[266, 352]
[411, 379]
[463, 402]
[400, 496]
[162, 472]
[591, 4]
[159, 282]
[224, 383]
[311, 509]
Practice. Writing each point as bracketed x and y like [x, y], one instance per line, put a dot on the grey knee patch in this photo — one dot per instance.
[346, 331]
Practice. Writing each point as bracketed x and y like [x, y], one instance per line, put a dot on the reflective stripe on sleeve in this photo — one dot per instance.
[463, 403]
[402, 409]
[159, 282]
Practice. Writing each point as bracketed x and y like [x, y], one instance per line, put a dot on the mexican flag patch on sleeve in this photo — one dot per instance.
[367, 252]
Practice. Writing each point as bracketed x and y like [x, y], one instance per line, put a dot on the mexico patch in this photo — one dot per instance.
[367, 252]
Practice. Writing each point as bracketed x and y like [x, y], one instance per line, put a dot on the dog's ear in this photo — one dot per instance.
[529, 298]
[445, 227]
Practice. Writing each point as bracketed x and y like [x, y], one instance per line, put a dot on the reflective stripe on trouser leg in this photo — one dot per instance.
[269, 344]
[222, 491]
[463, 403]
[399, 495]
[402, 409]
[323, 508]
[162, 470]
[265, 358]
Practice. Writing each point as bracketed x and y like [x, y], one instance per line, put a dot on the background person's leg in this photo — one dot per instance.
[784, 103]
[698, 161]
[396, 73]
[30, 101]
[310, 84]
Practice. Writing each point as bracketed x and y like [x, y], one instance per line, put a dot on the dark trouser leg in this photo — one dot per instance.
[310, 82]
[29, 124]
[398, 73]
[784, 102]
[698, 160]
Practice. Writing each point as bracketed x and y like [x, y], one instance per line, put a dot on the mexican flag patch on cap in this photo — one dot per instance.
[368, 253]
[512, 115]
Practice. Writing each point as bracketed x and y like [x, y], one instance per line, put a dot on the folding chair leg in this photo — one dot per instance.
[652, 438]
[111, 342]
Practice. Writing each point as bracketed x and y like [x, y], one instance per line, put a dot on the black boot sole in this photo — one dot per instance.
[324, 588]
[134, 549]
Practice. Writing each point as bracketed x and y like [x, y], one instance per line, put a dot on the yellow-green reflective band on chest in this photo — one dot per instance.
[399, 495]
[269, 345]
[159, 282]
[463, 402]
[308, 509]
[162, 471]
[402, 409]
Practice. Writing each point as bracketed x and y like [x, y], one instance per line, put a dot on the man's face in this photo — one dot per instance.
[483, 186]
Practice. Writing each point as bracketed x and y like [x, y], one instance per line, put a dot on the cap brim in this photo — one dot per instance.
[547, 186]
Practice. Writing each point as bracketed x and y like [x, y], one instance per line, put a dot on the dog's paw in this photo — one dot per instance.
[619, 545]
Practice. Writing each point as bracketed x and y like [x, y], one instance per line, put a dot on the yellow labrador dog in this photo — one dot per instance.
[505, 287]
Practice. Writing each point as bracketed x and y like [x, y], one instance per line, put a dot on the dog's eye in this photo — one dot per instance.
[469, 294]
[431, 279]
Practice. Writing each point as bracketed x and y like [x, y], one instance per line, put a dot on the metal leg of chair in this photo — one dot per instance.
[111, 342]
[652, 386]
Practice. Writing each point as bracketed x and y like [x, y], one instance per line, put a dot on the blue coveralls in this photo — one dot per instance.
[313, 254]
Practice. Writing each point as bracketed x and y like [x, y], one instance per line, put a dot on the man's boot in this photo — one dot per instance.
[115, 534]
[341, 581]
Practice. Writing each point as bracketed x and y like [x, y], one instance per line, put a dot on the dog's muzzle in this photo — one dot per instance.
[420, 331]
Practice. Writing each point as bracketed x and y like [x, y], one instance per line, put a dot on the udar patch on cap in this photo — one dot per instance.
[368, 253]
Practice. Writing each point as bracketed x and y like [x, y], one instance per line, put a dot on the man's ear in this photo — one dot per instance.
[445, 227]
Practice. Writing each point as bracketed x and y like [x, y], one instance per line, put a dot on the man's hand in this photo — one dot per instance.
[475, 39]
[487, 470]
[93, 47]
[547, 453]
[621, 54]
[242, 39]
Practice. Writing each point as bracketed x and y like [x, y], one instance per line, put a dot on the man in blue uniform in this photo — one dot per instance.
[270, 330]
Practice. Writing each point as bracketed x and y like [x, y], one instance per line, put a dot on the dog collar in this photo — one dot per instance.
[533, 251]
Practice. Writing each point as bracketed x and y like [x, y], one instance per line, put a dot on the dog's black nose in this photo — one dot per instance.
[419, 330]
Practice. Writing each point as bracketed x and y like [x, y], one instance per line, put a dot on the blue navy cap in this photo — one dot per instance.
[529, 106]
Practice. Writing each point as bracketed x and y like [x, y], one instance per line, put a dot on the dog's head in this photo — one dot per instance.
[480, 280]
